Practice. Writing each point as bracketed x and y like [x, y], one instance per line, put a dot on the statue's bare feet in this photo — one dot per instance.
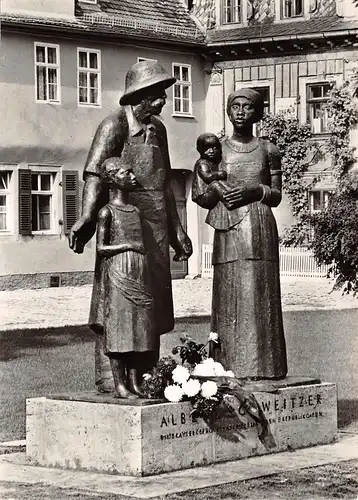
[133, 382]
[119, 377]
[122, 392]
[136, 390]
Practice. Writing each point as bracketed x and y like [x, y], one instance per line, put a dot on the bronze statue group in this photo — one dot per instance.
[128, 197]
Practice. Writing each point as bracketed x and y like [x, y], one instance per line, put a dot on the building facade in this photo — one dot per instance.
[62, 71]
[63, 64]
[292, 52]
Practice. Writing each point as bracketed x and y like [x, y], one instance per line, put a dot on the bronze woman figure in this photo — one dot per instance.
[246, 307]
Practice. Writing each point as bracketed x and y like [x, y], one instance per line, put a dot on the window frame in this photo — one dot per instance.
[55, 209]
[310, 101]
[279, 12]
[324, 197]
[181, 84]
[40, 192]
[224, 9]
[294, 16]
[56, 66]
[257, 126]
[10, 199]
[88, 71]
[302, 92]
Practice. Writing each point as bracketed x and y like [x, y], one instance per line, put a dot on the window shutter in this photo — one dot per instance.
[25, 209]
[70, 186]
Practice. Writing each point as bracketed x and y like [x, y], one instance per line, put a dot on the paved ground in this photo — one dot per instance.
[70, 305]
[15, 469]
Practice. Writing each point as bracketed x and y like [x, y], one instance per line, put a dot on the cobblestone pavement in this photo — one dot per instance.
[55, 307]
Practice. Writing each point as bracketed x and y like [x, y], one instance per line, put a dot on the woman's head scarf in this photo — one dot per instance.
[252, 96]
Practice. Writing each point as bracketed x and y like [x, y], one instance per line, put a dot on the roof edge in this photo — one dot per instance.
[284, 38]
[175, 35]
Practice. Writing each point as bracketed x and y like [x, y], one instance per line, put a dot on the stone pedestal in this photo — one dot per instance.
[104, 434]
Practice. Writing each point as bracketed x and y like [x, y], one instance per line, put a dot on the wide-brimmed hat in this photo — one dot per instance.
[143, 75]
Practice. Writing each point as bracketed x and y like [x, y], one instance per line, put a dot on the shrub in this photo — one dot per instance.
[335, 239]
[292, 139]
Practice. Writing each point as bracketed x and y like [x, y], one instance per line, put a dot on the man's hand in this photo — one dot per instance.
[81, 232]
[183, 248]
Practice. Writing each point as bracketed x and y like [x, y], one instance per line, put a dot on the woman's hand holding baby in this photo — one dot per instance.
[242, 195]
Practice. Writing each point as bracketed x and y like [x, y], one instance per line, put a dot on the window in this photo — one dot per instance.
[292, 8]
[182, 93]
[46, 205]
[89, 77]
[265, 93]
[318, 200]
[317, 116]
[47, 68]
[4, 200]
[231, 11]
[42, 201]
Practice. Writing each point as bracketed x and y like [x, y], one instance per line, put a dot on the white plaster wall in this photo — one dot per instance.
[61, 134]
[44, 254]
[68, 128]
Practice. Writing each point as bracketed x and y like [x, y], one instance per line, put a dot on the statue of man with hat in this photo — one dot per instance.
[138, 137]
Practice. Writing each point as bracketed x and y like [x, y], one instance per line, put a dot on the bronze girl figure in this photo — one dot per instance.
[246, 307]
[128, 304]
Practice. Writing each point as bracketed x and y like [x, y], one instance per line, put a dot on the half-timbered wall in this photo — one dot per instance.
[287, 77]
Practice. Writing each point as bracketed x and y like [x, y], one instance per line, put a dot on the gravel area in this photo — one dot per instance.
[55, 307]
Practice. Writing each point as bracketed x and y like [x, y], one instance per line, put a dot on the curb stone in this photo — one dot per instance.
[14, 469]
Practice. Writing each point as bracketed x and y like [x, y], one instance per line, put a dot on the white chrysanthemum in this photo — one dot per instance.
[205, 369]
[209, 365]
[146, 376]
[219, 369]
[213, 337]
[180, 374]
[230, 373]
[209, 389]
[173, 393]
[208, 362]
[200, 370]
[191, 387]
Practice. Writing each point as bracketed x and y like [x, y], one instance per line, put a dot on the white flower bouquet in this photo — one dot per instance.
[193, 380]
[205, 383]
